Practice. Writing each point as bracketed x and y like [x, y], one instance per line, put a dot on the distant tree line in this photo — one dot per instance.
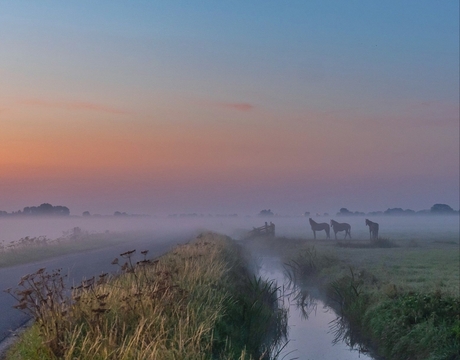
[42, 210]
[116, 214]
[436, 209]
[195, 215]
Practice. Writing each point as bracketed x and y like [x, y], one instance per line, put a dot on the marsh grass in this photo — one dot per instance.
[196, 302]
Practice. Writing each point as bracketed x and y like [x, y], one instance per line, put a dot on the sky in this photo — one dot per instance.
[219, 107]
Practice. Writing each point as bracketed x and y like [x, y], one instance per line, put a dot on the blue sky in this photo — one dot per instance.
[322, 103]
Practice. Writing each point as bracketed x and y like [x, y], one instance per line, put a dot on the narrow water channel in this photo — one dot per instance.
[313, 333]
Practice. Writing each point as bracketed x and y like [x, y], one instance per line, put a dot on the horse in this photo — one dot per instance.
[319, 227]
[373, 229]
[336, 226]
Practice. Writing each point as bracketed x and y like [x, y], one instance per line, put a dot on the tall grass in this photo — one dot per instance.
[196, 302]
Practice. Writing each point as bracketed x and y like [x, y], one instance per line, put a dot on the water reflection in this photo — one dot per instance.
[315, 330]
[305, 302]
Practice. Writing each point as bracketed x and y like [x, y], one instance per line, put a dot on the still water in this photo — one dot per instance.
[313, 331]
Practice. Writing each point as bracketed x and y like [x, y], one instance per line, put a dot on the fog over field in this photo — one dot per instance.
[418, 227]
[160, 234]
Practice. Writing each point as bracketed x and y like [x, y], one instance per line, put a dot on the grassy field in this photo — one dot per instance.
[425, 268]
[400, 297]
[196, 302]
[418, 266]
[30, 249]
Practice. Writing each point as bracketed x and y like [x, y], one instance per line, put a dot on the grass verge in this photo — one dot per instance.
[196, 302]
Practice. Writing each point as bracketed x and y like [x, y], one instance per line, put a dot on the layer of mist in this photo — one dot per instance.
[393, 227]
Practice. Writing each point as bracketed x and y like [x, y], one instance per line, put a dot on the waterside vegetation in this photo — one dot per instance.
[400, 299]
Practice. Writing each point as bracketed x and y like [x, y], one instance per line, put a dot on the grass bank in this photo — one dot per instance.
[401, 299]
[196, 302]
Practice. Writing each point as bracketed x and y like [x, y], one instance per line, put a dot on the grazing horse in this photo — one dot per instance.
[319, 227]
[336, 226]
[373, 229]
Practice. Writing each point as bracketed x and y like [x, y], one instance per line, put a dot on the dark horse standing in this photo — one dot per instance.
[336, 226]
[373, 229]
[319, 227]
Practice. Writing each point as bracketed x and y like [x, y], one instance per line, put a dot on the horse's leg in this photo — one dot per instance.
[335, 233]
[314, 234]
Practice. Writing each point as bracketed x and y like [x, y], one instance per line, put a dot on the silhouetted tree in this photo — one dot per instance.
[118, 213]
[46, 209]
[60, 210]
[441, 209]
[398, 211]
[86, 213]
[344, 211]
[266, 213]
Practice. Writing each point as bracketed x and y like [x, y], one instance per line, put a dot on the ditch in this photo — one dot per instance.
[315, 330]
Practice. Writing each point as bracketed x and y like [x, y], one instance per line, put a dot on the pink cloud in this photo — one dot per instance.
[236, 106]
[74, 105]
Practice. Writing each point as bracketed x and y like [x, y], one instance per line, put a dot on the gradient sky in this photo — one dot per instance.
[229, 106]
